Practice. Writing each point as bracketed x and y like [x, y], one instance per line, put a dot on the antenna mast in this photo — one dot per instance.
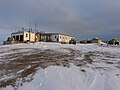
[30, 25]
[35, 27]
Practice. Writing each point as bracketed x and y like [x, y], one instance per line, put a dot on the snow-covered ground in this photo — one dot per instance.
[53, 66]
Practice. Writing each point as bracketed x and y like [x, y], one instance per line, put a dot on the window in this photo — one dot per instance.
[55, 37]
[17, 37]
[26, 35]
[21, 37]
[14, 37]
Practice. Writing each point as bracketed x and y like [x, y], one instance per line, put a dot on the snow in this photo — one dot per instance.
[73, 78]
[56, 78]
[60, 78]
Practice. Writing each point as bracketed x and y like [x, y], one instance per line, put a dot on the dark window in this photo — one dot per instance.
[55, 37]
[26, 35]
[17, 37]
[14, 37]
[21, 37]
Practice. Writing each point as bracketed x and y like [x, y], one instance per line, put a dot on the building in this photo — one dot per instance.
[40, 36]
[57, 37]
[29, 36]
[114, 42]
[24, 36]
[96, 40]
[85, 41]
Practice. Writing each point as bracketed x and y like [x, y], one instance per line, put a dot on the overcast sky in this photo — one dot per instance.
[80, 18]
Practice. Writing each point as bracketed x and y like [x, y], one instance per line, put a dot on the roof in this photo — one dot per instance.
[115, 40]
[21, 32]
[58, 33]
[95, 38]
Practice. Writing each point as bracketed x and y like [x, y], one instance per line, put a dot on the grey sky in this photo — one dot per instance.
[81, 18]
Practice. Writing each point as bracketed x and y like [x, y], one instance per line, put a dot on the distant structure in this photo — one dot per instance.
[85, 41]
[94, 40]
[114, 42]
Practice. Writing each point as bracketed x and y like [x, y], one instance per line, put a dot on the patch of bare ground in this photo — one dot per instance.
[87, 59]
[23, 64]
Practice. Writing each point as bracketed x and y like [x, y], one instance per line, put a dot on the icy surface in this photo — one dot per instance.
[91, 67]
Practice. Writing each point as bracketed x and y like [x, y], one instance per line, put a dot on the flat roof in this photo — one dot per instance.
[17, 32]
[58, 33]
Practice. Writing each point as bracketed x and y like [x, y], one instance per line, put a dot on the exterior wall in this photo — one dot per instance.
[43, 38]
[40, 37]
[17, 34]
[96, 41]
[55, 38]
[118, 41]
[32, 37]
[47, 38]
[64, 38]
[61, 38]
[100, 41]
[26, 36]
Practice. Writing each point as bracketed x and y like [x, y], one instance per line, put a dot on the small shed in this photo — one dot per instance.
[114, 42]
[96, 40]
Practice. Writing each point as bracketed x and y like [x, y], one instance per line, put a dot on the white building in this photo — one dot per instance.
[24, 36]
[58, 37]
